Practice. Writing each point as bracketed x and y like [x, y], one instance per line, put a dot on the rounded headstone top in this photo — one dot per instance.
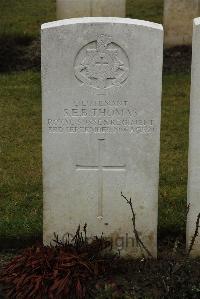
[102, 20]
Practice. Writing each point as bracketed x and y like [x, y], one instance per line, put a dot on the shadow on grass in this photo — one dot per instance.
[19, 53]
[19, 243]
[177, 59]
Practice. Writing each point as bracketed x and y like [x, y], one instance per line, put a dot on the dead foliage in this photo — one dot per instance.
[60, 271]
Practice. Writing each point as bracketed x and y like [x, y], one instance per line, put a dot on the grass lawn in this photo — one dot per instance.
[20, 128]
[174, 151]
[23, 17]
[149, 10]
[21, 187]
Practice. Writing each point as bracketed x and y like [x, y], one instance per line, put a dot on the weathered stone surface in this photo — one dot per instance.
[102, 82]
[194, 144]
[90, 8]
[178, 19]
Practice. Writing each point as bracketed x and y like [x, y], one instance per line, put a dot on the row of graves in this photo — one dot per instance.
[178, 15]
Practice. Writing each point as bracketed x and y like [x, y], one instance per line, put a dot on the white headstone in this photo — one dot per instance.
[178, 18]
[90, 8]
[194, 144]
[102, 82]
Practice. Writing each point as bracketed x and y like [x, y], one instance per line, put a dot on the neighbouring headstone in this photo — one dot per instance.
[102, 82]
[178, 18]
[194, 145]
[90, 8]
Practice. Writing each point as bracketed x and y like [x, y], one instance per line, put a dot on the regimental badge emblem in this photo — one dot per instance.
[102, 64]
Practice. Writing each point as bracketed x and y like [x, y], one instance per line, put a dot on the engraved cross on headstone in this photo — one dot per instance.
[102, 70]
[100, 168]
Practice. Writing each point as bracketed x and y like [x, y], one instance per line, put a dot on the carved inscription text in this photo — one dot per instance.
[101, 116]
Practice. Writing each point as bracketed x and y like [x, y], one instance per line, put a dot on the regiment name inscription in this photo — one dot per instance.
[101, 116]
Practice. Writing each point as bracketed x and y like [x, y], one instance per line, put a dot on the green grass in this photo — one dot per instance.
[21, 188]
[20, 128]
[24, 17]
[149, 10]
[174, 151]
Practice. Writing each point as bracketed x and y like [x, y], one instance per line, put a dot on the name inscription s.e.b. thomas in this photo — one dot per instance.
[102, 116]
